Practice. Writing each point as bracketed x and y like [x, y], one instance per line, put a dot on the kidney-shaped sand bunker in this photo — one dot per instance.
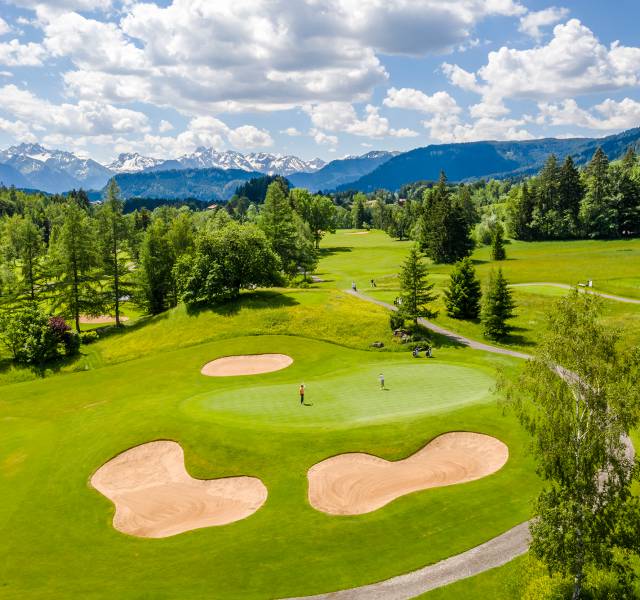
[155, 497]
[246, 364]
[356, 483]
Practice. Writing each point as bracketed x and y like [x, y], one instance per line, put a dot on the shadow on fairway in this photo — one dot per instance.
[324, 252]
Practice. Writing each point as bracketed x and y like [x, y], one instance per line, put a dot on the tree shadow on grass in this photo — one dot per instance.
[257, 300]
[515, 337]
[324, 252]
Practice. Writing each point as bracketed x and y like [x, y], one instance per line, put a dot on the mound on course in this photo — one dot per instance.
[248, 364]
[357, 483]
[155, 497]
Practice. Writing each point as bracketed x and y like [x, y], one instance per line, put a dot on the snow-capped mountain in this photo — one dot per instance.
[271, 164]
[132, 162]
[54, 170]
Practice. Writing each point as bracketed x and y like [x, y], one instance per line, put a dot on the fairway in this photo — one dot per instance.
[53, 440]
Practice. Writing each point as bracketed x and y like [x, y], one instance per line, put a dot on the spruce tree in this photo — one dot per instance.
[597, 215]
[498, 251]
[445, 235]
[497, 308]
[357, 210]
[570, 193]
[630, 159]
[277, 222]
[462, 297]
[416, 290]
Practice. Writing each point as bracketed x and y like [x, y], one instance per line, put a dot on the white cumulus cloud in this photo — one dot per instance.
[533, 22]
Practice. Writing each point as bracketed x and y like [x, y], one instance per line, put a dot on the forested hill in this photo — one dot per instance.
[476, 160]
[200, 184]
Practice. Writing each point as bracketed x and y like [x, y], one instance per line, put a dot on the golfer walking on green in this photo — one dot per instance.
[381, 380]
[302, 393]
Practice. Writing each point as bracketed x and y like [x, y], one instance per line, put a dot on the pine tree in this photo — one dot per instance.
[498, 307]
[630, 159]
[462, 298]
[444, 231]
[521, 213]
[357, 210]
[155, 275]
[415, 289]
[114, 235]
[570, 193]
[498, 251]
[276, 220]
[597, 215]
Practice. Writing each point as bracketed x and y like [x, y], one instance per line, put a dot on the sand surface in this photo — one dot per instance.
[358, 233]
[251, 364]
[155, 497]
[356, 483]
[102, 319]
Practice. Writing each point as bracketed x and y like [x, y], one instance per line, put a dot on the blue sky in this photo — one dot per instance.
[312, 77]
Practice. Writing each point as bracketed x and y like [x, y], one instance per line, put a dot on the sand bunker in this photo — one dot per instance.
[155, 497]
[251, 364]
[357, 233]
[353, 484]
[100, 320]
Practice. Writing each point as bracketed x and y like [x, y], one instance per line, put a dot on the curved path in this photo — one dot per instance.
[494, 553]
[584, 290]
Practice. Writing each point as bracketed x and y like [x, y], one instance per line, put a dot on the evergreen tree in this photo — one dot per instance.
[416, 290]
[625, 200]
[497, 308]
[444, 232]
[75, 259]
[586, 515]
[358, 211]
[597, 215]
[462, 298]
[114, 237]
[570, 194]
[520, 208]
[465, 202]
[630, 159]
[277, 222]
[498, 251]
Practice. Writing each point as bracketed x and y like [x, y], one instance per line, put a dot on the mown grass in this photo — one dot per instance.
[58, 541]
[608, 264]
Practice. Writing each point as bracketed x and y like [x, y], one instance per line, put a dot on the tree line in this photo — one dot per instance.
[64, 257]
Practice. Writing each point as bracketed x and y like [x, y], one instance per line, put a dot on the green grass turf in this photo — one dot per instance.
[58, 541]
[559, 262]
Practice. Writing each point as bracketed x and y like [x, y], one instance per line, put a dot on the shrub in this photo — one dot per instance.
[396, 321]
[88, 337]
[29, 336]
[71, 341]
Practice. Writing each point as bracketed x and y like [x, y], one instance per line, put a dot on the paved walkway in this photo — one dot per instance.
[584, 290]
[494, 553]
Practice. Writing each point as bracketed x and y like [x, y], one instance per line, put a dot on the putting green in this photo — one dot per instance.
[350, 396]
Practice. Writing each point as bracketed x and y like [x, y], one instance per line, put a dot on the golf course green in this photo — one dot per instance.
[144, 383]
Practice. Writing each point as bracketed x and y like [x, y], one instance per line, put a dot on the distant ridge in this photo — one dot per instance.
[475, 160]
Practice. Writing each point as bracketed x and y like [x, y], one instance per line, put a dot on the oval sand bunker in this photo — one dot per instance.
[155, 497]
[249, 364]
[356, 483]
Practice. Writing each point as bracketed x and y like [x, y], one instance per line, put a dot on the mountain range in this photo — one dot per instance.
[211, 175]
